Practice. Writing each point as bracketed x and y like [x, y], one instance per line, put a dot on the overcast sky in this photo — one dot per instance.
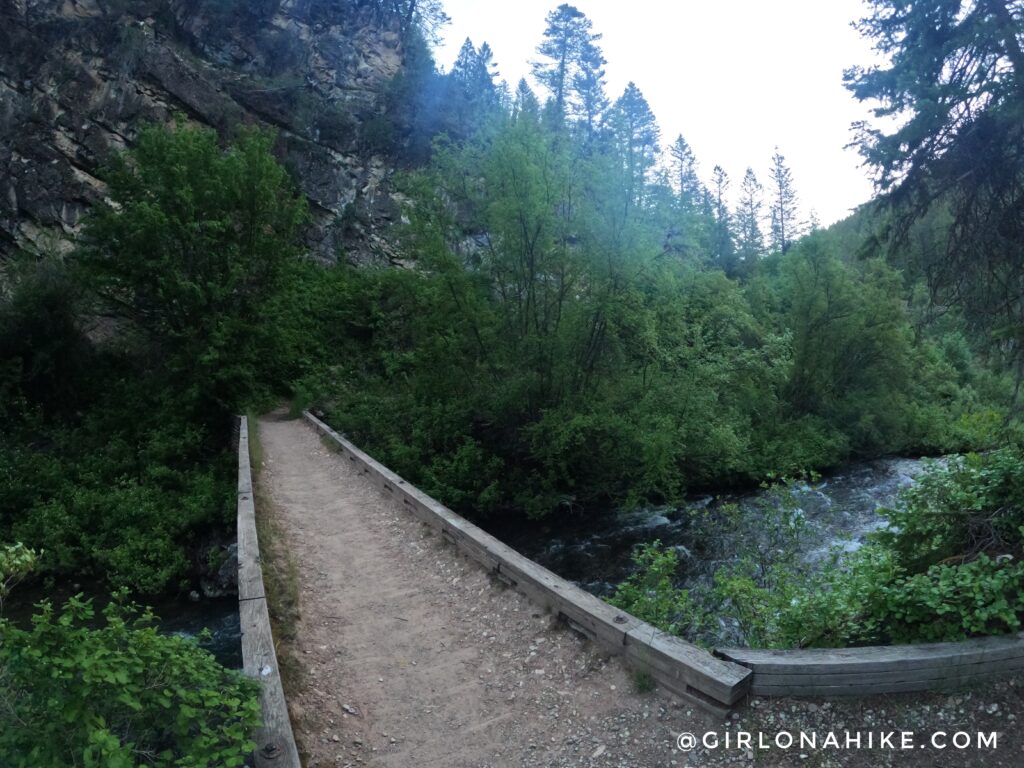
[734, 77]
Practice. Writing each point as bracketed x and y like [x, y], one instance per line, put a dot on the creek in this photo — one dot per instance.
[595, 549]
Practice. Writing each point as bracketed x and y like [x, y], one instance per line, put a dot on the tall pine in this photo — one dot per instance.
[749, 237]
[634, 132]
[785, 225]
[473, 95]
[684, 174]
[569, 52]
[589, 98]
[723, 250]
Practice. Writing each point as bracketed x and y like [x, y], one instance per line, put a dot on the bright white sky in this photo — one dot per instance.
[735, 77]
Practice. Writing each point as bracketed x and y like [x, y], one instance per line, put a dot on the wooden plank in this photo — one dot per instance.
[904, 686]
[244, 474]
[956, 667]
[959, 671]
[686, 670]
[815, 661]
[880, 669]
[722, 680]
[275, 741]
[696, 698]
[250, 571]
[923, 654]
[597, 619]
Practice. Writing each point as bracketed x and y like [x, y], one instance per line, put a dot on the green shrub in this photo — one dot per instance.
[866, 598]
[650, 594]
[954, 602]
[44, 354]
[16, 562]
[199, 240]
[838, 605]
[113, 510]
[118, 695]
[115, 454]
[973, 505]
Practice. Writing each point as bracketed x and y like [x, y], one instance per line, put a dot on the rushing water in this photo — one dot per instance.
[595, 550]
[218, 616]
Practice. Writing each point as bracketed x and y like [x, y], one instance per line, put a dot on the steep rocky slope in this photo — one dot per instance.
[78, 78]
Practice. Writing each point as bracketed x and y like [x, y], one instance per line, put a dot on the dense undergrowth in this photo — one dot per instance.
[123, 367]
[118, 695]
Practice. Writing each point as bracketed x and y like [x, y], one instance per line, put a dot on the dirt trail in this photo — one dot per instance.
[442, 666]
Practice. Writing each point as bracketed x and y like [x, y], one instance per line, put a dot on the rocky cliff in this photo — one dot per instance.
[78, 78]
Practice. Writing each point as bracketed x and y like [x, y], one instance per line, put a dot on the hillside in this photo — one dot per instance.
[78, 79]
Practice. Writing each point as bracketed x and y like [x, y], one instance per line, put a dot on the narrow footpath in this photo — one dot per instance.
[411, 655]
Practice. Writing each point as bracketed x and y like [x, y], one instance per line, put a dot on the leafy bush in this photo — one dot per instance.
[118, 695]
[16, 562]
[115, 453]
[43, 352]
[982, 597]
[199, 239]
[975, 504]
[836, 606]
[651, 595]
[118, 501]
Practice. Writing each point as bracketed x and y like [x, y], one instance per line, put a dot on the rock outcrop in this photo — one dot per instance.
[78, 78]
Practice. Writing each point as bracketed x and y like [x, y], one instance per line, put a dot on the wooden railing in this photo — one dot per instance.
[275, 742]
[880, 669]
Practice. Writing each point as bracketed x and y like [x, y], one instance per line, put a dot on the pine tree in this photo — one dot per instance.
[785, 228]
[634, 131]
[813, 222]
[506, 101]
[464, 61]
[723, 250]
[472, 96]
[589, 98]
[474, 70]
[688, 230]
[949, 64]
[749, 237]
[954, 75]
[525, 105]
[684, 172]
[568, 43]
